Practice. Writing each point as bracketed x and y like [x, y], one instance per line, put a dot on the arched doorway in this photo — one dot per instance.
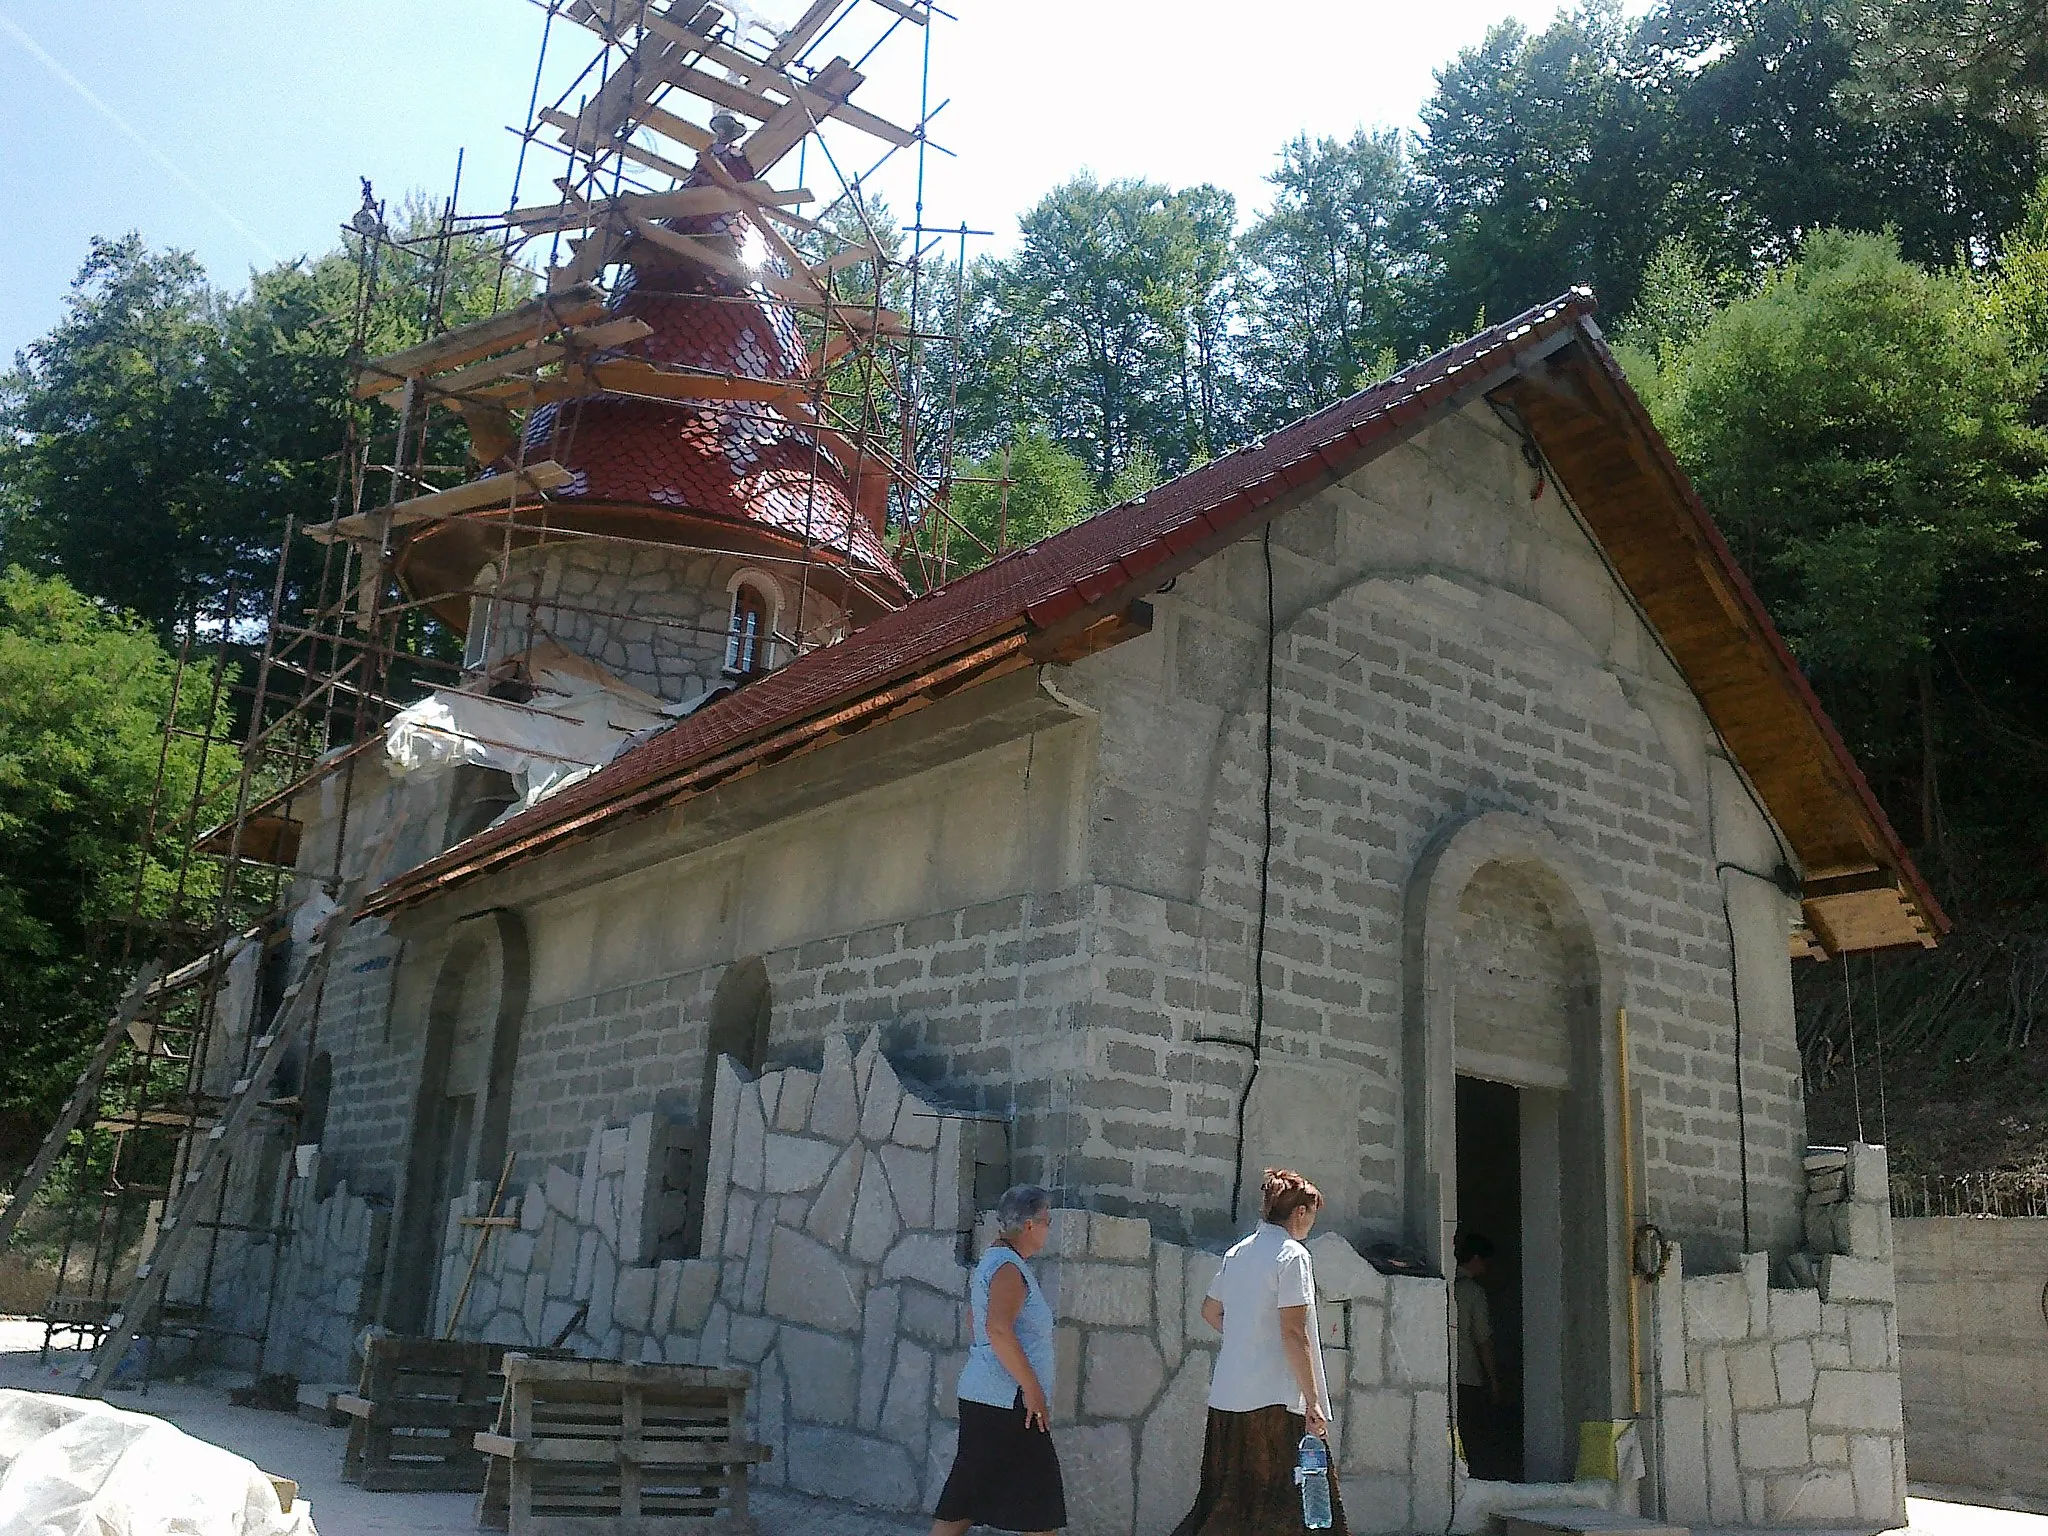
[1513, 1128]
[462, 1111]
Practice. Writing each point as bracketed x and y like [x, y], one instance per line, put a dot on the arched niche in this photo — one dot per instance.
[1511, 990]
[461, 1116]
[742, 1007]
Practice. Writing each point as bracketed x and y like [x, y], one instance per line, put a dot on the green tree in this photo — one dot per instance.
[1858, 429]
[1335, 270]
[1550, 161]
[2016, 295]
[153, 445]
[1761, 134]
[1928, 59]
[1013, 498]
[84, 697]
[1107, 327]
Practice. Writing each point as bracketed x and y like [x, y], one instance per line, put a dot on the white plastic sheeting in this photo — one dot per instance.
[70, 1466]
[577, 718]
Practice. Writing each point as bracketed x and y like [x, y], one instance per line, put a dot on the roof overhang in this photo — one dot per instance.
[1861, 890]
[1081, 590]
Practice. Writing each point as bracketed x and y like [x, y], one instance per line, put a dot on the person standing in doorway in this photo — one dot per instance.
[1006, 1475]
[1480, 1398]
[1268, 1387]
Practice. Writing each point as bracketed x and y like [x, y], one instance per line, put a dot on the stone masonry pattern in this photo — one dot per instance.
[838, 1232]
[1781, 1407]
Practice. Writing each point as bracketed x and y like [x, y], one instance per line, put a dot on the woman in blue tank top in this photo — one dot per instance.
[1006, 1474]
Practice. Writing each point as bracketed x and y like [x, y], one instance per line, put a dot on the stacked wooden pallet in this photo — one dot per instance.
[584, 1446]
[415, 1414]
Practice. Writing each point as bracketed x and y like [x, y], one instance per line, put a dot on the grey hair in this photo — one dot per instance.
[1020, 1204]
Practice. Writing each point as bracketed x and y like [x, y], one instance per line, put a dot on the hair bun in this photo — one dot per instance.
[1286, 1192]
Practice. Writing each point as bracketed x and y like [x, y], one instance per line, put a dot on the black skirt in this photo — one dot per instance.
[1004, 1476]
[1248, 1486]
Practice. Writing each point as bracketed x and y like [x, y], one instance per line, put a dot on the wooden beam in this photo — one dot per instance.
[634, 378]
[766, 145]
[492, 490]
[683, 203]
[766, 77]
[717, 261]
[631, 377]
[798, 37]
[584, 338]
[531, 320]
[669, 125]
[723, 93]
[852, 256]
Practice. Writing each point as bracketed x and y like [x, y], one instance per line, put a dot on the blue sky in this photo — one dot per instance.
[237, 129]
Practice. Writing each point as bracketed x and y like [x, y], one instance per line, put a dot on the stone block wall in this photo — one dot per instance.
[327, 1293]
[973, 998]
[839, 1231]
[1429, 667]
[839, 1228]
[1781, 1406]
[1974, 1349]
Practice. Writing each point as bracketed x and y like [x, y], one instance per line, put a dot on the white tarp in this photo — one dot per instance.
[71, 1466]
[576, 719]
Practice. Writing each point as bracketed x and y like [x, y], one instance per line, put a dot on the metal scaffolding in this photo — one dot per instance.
[684, 115]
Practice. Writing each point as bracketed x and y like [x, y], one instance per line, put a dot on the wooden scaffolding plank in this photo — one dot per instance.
[490, 490]
[83, 1093]
[762, 78]
[709, 256]
[766, 145]
[577, 339]
[534, 318]
[798, 37]
[685, 202]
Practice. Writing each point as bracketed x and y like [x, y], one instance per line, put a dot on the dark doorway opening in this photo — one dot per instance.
[1489, 1119]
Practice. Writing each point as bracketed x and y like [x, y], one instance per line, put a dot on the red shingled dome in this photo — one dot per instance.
[743, 462]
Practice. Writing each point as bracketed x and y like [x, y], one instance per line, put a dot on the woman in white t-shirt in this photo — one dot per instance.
[1268, 1387]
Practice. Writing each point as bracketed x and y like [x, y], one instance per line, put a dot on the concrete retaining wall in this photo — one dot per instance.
[1974, 1345]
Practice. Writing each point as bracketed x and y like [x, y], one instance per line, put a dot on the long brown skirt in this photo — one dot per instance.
[1248, 1488]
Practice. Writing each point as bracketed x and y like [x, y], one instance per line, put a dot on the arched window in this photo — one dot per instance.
[747, 637]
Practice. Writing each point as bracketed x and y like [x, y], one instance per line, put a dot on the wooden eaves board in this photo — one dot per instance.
[1662, 546]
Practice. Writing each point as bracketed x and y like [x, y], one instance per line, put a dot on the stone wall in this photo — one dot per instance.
[1443, 648]
[332, 1272]
[1974, 1349]
[655, 617]
[839, 1229]
[1782, 1406]
[962, 996]
[840, 1222]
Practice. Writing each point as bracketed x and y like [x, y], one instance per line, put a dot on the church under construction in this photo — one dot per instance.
[1418, 796]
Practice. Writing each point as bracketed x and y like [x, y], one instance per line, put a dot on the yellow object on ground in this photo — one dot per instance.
[1610, 1450]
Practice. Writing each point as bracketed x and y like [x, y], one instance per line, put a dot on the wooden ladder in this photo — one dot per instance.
[83, 1094]
[203, 1179]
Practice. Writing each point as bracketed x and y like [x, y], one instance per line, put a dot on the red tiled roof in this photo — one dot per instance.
[1027, 602]
[1105, 560]
[739, 461]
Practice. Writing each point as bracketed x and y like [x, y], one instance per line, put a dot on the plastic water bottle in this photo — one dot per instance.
[1312, 1474]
